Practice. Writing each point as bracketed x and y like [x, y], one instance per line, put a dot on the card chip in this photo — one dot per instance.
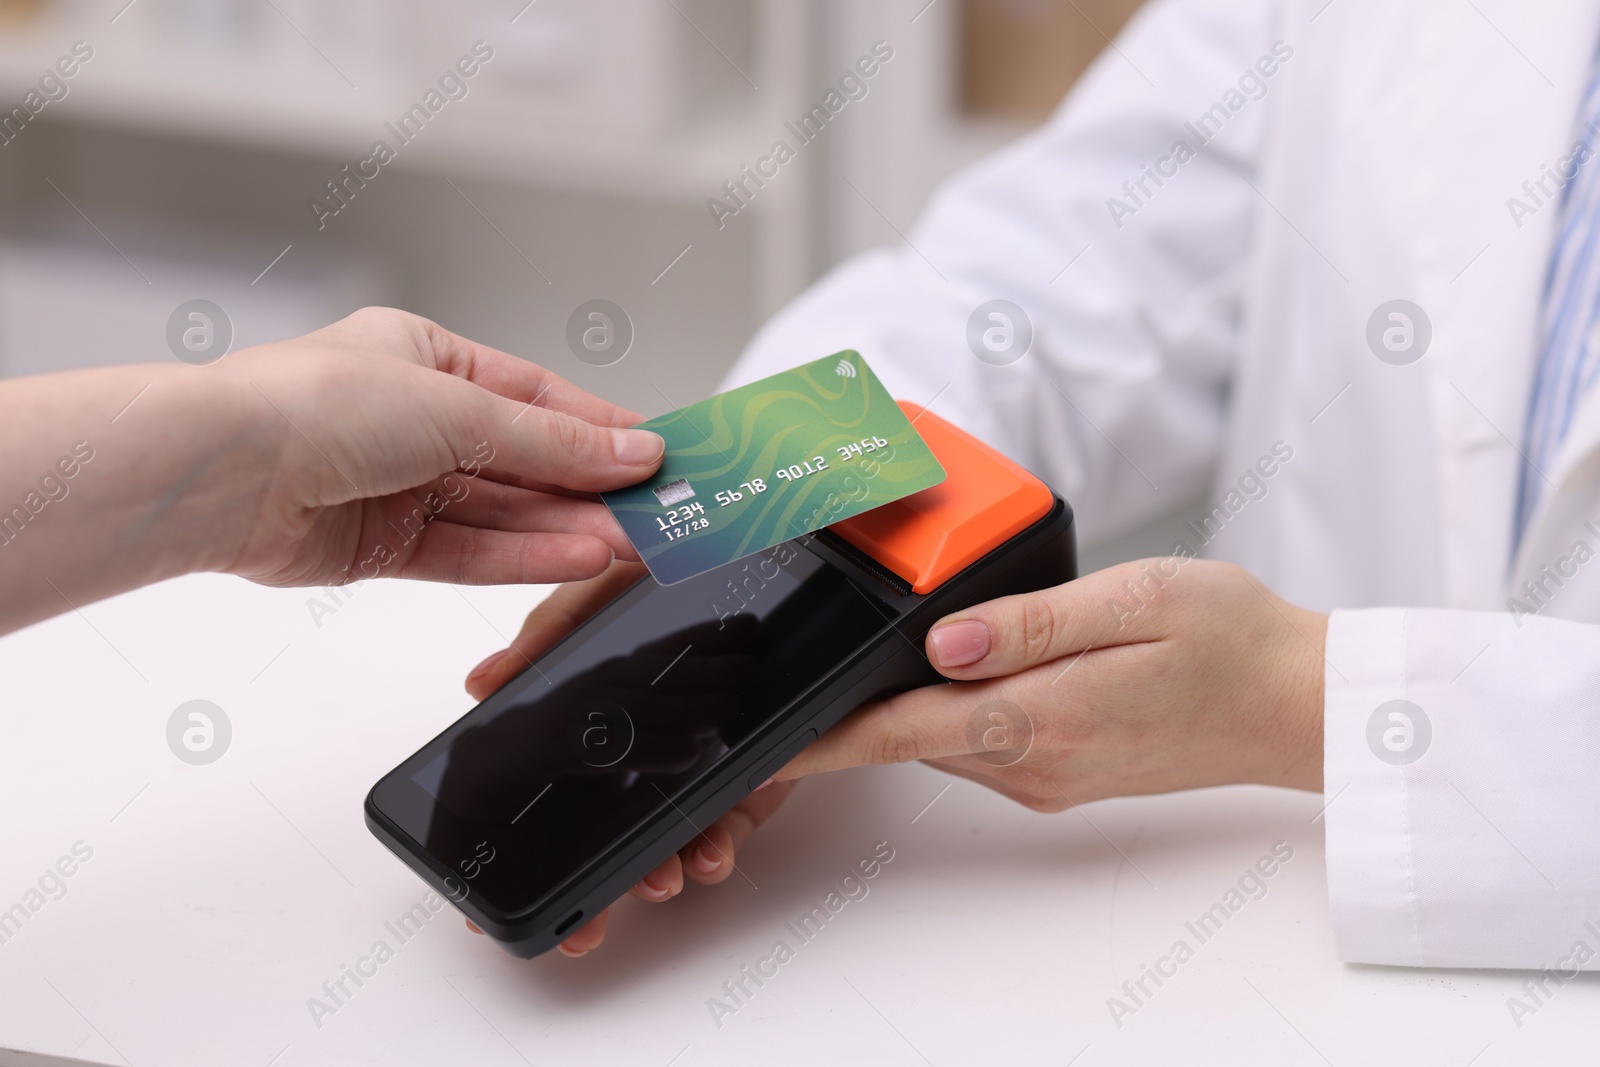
[675, 492]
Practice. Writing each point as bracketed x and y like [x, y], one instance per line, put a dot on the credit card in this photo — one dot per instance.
[771, 461]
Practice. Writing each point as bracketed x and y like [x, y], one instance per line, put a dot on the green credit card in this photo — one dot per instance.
[770, 461]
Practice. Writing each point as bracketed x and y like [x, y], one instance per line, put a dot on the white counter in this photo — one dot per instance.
[218, 899]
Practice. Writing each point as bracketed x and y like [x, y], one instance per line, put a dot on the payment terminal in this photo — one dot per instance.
[546, 802]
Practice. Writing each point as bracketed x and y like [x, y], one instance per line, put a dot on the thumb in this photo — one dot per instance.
[1011, 634]
[558, 449]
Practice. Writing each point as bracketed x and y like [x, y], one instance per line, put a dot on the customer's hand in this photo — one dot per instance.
[401, 449]
[382, 445]
[708, 859]
[1198, 676]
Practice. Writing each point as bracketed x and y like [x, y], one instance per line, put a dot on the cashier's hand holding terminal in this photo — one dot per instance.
[1147, 677]
[382, 445]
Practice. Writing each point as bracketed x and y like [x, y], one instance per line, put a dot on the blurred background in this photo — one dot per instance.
[178, 160]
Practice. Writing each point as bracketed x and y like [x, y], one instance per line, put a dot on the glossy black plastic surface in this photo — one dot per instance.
[550, 799]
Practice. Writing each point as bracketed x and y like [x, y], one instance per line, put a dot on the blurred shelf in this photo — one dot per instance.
[311, 110]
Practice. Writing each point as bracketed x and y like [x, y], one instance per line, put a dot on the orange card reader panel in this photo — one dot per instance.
[929, 537]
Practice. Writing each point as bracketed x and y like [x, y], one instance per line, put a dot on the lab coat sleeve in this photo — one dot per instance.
[1131, 280]
[1466, 833]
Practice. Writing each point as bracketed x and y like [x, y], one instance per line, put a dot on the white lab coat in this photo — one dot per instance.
[1229, 312]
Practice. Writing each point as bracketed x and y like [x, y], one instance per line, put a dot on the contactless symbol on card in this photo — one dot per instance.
[770, 461]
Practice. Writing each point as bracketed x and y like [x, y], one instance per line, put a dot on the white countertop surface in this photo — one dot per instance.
[219, 898]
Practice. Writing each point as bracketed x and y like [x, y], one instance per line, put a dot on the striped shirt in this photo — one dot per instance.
[1569, 356]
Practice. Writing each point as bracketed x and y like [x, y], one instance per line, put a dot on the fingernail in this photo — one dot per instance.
[637, 447]
[572, 953]
[483, 668]
[958, 644]
[763, 785]
[704, 860]
[651, 890]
